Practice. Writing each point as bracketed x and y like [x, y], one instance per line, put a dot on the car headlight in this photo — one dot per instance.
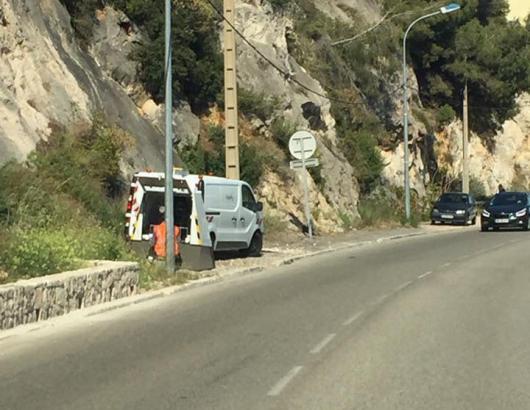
[460, 212]
[485, 214]
[435, 211]
[520, 213]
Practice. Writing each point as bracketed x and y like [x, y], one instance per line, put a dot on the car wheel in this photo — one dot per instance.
[474, 221]
[484, 228]
[433, 223]
[256, 245]
[525, 227]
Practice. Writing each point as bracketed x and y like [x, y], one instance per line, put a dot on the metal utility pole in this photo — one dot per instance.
[465, 145]
[170, 235]
[231, 111]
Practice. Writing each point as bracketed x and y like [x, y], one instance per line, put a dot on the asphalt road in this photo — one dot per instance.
[437, 322]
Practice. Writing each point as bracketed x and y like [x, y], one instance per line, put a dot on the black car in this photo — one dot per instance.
[507, 210]
[455, 208]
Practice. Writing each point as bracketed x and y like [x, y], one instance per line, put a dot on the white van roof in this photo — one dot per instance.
[191, 179]
[212, 180]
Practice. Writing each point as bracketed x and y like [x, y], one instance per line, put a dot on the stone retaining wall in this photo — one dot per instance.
[31, 300]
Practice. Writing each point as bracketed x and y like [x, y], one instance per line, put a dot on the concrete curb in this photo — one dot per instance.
[216, 278]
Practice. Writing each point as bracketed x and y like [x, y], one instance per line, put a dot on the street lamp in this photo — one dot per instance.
[443, 10]
[169, 217]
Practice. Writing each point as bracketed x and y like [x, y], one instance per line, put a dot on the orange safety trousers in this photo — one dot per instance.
[159, 231]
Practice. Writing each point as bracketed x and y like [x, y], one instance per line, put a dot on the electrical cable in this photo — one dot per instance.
[286, 75]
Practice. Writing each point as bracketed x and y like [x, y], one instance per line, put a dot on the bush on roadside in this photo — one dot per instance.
[39, 251]
[69, 207]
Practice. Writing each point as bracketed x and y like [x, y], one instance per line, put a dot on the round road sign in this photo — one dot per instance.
[302, 144]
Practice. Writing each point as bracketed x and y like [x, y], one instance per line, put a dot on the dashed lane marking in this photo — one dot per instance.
[403, 286]
[424, 275]
[284, 381]
[317, 349]
[381, 299]
[352, 319]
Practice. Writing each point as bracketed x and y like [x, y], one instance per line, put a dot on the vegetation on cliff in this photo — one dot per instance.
[63, 205]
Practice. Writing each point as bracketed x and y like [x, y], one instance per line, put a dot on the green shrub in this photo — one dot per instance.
[68, 207]
[38, 252]
[260, 105]
[445, 115]
[281, 131]
[278, 5]
[361, 151]
[378, 212]
[84, 167]
[347, 221]
[197, 60]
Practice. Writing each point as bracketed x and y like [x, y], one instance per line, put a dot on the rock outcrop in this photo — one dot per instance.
[48, 81]
[268, 32]
[508, 163]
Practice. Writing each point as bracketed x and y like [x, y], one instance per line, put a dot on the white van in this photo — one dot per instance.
[226, 209]
[235, 218]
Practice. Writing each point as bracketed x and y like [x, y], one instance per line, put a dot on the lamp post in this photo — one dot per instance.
[443, 10]
[169, 217]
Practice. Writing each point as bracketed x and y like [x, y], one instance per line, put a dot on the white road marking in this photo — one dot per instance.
[445, 265]
[381, 299]
[403, 286]
[323, 343]
[424, 275]
[352, 319]
[284, 381]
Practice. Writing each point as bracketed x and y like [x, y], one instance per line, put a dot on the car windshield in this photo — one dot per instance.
[509, 199]
[453, 198]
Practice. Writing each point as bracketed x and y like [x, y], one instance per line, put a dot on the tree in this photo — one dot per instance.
[477, 46]
[197, 63]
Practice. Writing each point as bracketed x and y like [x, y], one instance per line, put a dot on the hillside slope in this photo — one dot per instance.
[348, 96]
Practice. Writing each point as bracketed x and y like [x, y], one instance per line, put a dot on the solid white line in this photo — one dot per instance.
[284, 381]
[425, 275]
[323, 343]
[403, 286]
[352, 319]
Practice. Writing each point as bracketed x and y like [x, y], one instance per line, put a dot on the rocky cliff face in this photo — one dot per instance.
[268, 33]
[48, 81]
[507, 163]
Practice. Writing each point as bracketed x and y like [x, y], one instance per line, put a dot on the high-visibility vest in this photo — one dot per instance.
[159, 232]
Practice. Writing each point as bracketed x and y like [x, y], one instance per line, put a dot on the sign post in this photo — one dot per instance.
[302, 146]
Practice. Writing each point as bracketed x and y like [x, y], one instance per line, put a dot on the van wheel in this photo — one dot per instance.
[256, 245]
